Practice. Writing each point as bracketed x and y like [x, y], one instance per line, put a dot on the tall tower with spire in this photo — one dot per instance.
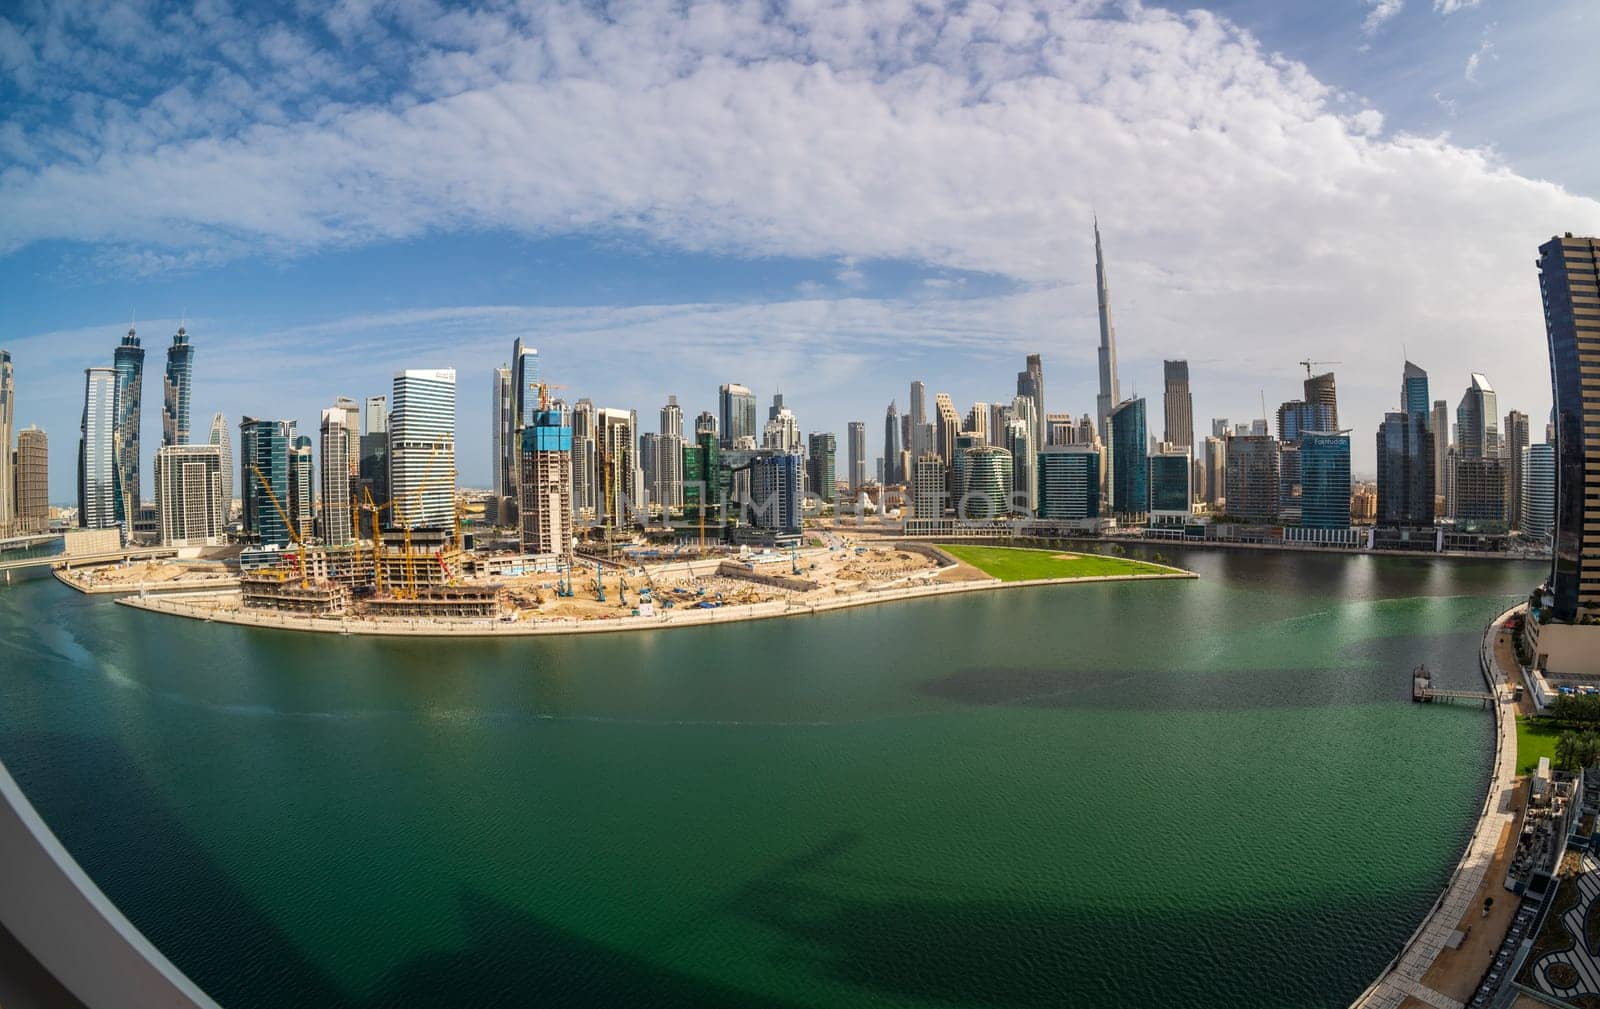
[128, 361]
[1110, 389]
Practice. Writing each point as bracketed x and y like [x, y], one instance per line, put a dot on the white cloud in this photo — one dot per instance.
[1247, 210]
[1380, 13]
[1485, 51]
[1448, 7]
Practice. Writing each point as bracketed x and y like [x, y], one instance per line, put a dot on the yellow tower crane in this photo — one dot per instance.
[294, 534]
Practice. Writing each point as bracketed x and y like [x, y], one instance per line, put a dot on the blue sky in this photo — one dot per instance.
[824, 198]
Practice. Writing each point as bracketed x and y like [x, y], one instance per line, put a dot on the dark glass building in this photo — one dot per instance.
[175, 390]
[1324, 480]
[128, 362]
[1405, 470]
[820, 461]
[1569, 283]
[1128, 442]
[264, 445]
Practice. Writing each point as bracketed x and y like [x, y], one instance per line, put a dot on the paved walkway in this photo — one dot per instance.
[1578, 957]
[1403, 978]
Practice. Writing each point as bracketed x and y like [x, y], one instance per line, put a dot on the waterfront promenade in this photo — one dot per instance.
[195, 606]
[1411, 979]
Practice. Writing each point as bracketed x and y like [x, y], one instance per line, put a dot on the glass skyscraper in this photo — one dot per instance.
[97, 456]
[129, 365]
[264, 447]
[1324, 480]
[1405, 470]
[175, 390]
[737, 406]
[1069, 482]
[422, 448]
[1128, 444]
[1414, 392]
[1569, 283]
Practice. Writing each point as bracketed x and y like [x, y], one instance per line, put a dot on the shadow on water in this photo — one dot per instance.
[184, 903]
[1373, 671]
[1027, 955]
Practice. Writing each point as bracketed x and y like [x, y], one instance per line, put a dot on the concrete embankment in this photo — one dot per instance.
[175, 604]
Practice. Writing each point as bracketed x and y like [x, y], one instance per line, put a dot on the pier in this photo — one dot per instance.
[1423, 691]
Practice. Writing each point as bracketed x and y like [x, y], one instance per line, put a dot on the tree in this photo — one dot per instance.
[1566, 750]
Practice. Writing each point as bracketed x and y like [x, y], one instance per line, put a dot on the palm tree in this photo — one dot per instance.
[1566, 749]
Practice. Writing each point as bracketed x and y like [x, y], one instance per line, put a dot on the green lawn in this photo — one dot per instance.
[1015, 564]
[1536, 737]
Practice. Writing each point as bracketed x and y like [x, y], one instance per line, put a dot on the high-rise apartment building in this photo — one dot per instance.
[1513, 443]
[1127, 449]
[856, 455]
[1478, 488]
[782, 433]
[264, 447]
[737, 408]
[1406, 471]
[1538, 491]
[31, 480]
[702, 471]
[984, 480]
[98, 474]
[928, 492]
[585, 459]
[190, 510]
[176, 387]
[999, 417]
[1324, 480]
[919, 403]
[775, 492]
[302, 486]
[1024, 463]
[1110, 389]
[947, 425]
[1069, 482]
[822, 448]
[1178, 404]
[617, 468]
[1034, 368]
[977, 422]
[545, 510]
[376, 420]
[1253, 478]
[672, 417]
[422, 448]
[1569, 284]
[219, 437]
[128, 362]
[335, 526]
[8, 419]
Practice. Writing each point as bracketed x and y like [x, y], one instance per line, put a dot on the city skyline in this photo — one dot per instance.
[825, 298]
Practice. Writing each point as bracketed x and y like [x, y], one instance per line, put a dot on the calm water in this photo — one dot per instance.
[1210, 793]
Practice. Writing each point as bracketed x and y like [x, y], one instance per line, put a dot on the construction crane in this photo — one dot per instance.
[294, 534]
[599, 583]
[544, 393]
[1310, 364]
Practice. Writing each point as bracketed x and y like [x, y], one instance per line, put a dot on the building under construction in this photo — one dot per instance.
[439, 601]
[545, 509]
[282, 589]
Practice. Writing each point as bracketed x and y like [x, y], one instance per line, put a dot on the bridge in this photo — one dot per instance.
[87, 560]
[1423, 690]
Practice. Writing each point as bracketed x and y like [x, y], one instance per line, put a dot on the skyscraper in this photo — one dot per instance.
[219, 436]
[422, 448]
[672, 417]
[985, 481]
[1513, 443]
[503, 433]
[977, 421]
[97, 451]
[919, 407]
[175, 389]
[1128, 447]
[1110, 389]
[823, 448]
[1170, 482]
[1323, 399]
[525, 374]
[1538, 491]
[1439, 428]
[1216, 459]
[8, 419]
[585, 459]
[1414, 391]
[737, 406]
[617, 464]
[1069, 482]
[1035, 373]
[302, 487]
[264, 447]
[1324, 480]
[32, 476]
[377, 418]
[189, 506]
[1405, 470]
[1569, 279]
[1253, 477]
[1478, 421]
[1178, 404]
[856, 455]
[545, 511]
[775, 492]
[1024, 462]
[947, 424]
[335, 526]
[129, 364]
[928, 493]
[891, 446]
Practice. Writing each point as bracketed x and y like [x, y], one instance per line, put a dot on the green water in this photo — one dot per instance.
[1204, 793]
